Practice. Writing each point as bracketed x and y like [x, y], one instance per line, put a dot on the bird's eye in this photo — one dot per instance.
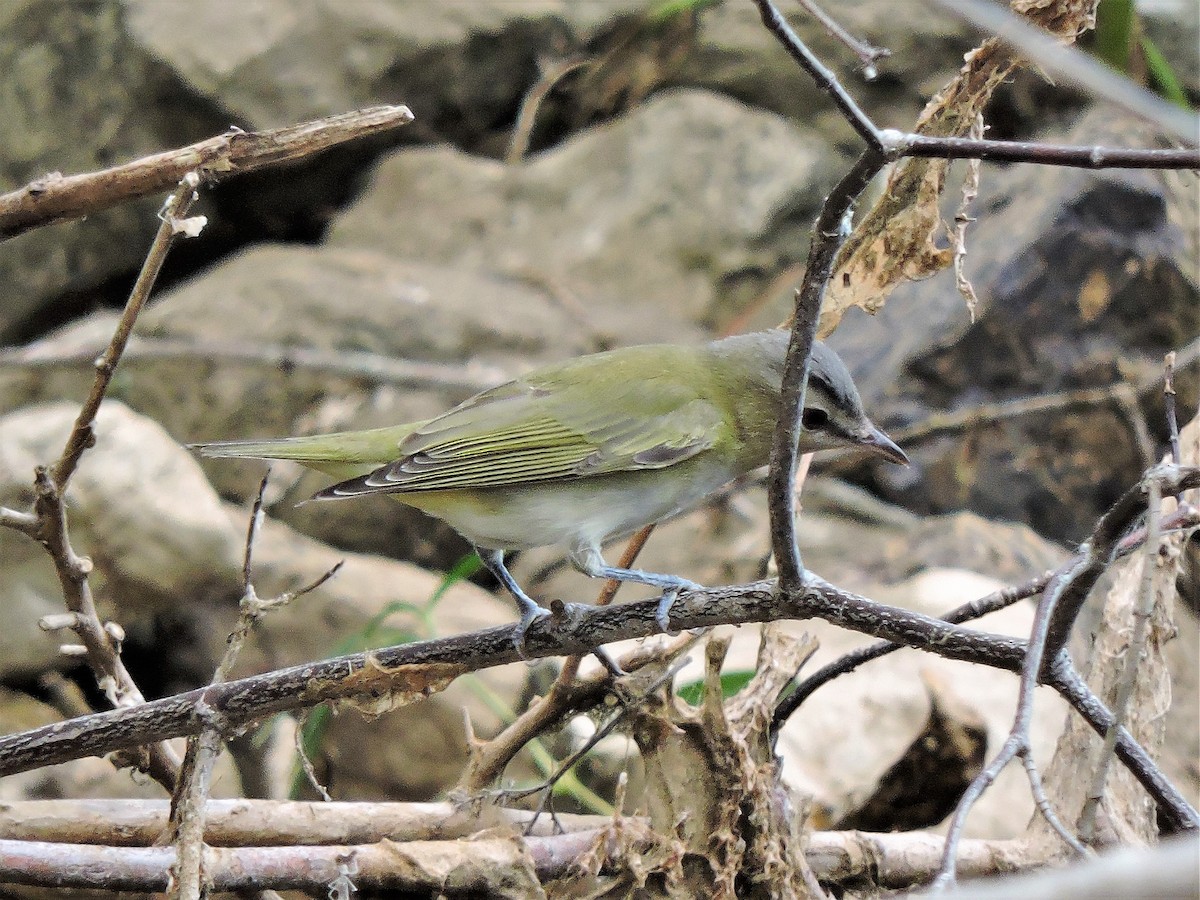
[814, 418]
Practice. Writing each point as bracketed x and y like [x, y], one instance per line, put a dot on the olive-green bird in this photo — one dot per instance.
[578, 453]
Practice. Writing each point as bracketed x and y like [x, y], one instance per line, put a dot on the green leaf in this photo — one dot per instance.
[1162, 74]
[731, 683]
[669, 9]
[460, 571]
[1115, 21]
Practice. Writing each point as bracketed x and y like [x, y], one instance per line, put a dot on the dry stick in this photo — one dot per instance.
[490, 758]
[527, 115]
[188, 802]
[849, 662]
[888, 860]
[49, 526]
[1133, 655]
[546, 787]
[239, 822]
[35, 827]
[1169, 403]
[173, 224]
[825, 79]
[373, 367]
[421, 663]
[55, 198]
[867, 54]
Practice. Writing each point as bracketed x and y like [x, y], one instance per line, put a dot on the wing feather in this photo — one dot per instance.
[522, 432]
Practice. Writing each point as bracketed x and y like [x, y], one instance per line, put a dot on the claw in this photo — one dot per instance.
[529, 615]
[662, 613]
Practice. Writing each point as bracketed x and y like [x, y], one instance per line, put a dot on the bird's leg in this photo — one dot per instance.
[589, 561]
[529, 608]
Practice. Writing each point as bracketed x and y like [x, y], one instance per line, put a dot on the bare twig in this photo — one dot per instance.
[259, 822]
[550, 75]
[190, 798]
[1181, 520]
[56, 198]
[888, 860]
[825, 79]
[1061, 600]
[1169, 403]
[48, 523]
[1068, 155]
[867, 54]
[1137, 642]
[172, 225]
[373, 367]
[962, 218]
[849, 662]
[626, 704]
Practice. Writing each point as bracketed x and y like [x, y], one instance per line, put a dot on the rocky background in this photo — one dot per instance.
[670, 179]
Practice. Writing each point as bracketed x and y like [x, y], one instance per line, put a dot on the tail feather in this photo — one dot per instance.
[344, 455]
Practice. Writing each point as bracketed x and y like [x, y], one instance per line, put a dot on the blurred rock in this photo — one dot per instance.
[639, 222]
[139, 508]
[1065, 263]
[79, 95]
[461, 67]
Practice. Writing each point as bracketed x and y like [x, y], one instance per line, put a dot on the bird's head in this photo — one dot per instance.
[833, 416]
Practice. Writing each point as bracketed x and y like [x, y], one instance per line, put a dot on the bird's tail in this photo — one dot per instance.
[343, 454]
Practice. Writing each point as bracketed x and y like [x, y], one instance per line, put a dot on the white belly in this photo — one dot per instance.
[581, 513]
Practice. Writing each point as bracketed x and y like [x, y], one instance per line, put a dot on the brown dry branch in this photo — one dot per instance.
[829, 234]
[188, 802]
[57, 198]
[1057, 610]
[400, 673]
[41, 831]
[867, 53]
[1128, 670]
[1148, 600]
[101, 642]
[374, 368]
[258, 823]
[889, 861]
[550, 73]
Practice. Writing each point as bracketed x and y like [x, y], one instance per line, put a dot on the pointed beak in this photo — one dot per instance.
[877, 442]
